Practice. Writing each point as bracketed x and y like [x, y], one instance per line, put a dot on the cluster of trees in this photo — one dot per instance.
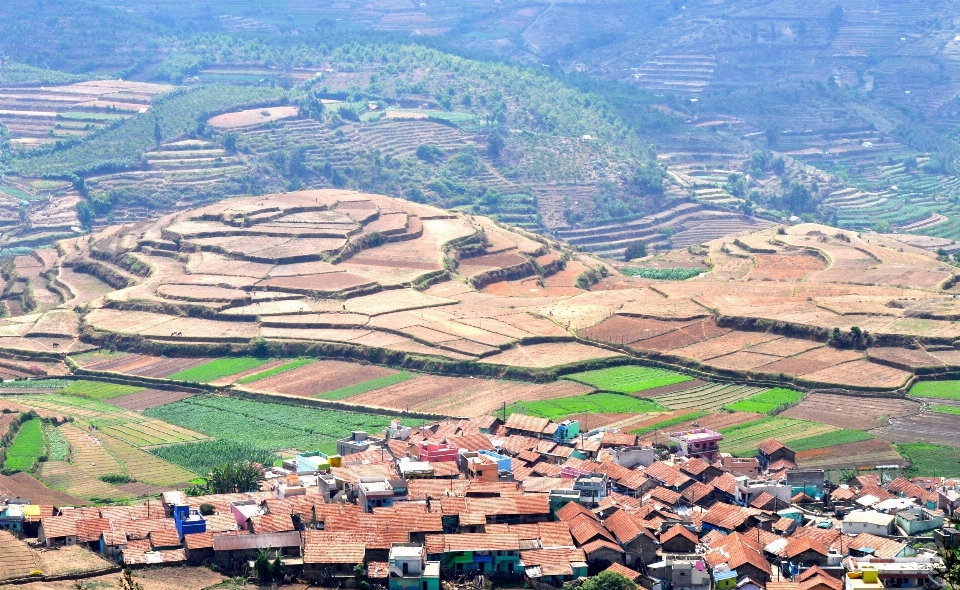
[229, 478]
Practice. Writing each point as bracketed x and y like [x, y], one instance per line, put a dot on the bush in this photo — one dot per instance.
[634, 251]
[207, 509]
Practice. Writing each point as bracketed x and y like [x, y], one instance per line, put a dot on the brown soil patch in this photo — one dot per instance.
[320, 377]
[322, 283]
[865, 454]
[785, 267]
[939, 429]
[843, 411]
[149, 398]
[725, 344]
[741, 360]
[252, 117]
[861, 373]
[72, 559]
[809, 362]
[903, 357]
[785, 347]
[551, 354]
[665, 389]
[625, 330]
[691, 334]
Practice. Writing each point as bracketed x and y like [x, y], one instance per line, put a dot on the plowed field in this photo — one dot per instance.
[843, 411]
[866, 454]
[551, 354]
[940, 429]
[320, 377]
[149, 398]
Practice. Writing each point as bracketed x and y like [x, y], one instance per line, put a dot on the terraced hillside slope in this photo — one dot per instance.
[355, 275]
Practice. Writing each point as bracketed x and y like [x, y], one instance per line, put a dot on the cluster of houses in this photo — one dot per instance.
[530, 500]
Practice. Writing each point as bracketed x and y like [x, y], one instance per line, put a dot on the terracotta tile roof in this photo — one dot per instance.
[681, 531]
[485, 422]
[763, 501]
[572, 509]
[154, 510]
[515, 443]
[882, 547]
[727, 516]
[378, 570]
[618, 439]
[46, 511]
[621, 501]
[543, 485]
[598, 544]
[726, 483]
[219, 523]
[81, 513]
[405, 521]
[550, 534]
[140, 529]
[318, 547]
[876, 491]
[583, 529]
[553, 562]
[736, 550]
[712, 537]
[697, 492]
[843, 494]
[89, 529]
[528, 456]
[771, 445]
[271, 523]
[436, 544]
[625, 527]
[909, 489]
[205, 540]
[114, 538]
[662, 494]
[827, 537]
[797, 545]
[166, 539]
[821, 579]
[784, 524]
[525, 423]
[813, 572]
[624, 571]
[471, 442]
[781, 465]
[863, 480]
[140, 553]
[666, 475]
[801, 498]
[547, 469]
[56, 527]
[694, 466]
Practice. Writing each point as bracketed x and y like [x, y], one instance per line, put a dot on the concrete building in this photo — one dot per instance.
[374, 492]
[567, 430]
[868, 521]
[357, 442]
[409, 570]
[865, 577]
[680, 574]
[242, 511]
[919, 520]
[437, 452]
[11, 518]
[479, 552]
[749, 489]
[702, 443]
[592, 487]
[188, 520]
[897, 572]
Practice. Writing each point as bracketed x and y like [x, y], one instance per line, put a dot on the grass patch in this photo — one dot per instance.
[216, 369]
[613, 403]
[670, 422]
[202, 457]
[352, 390]
[628, 378]
[27, 447]
[938, 389]
[276, 370]
[929, 460]
[830, 439]
[663, 274]
[768, 402]
[97, 390]
[941, 409]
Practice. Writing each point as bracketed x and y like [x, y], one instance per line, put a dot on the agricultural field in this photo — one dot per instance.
[202, 457]
[98, 390]
[266, 426]
[27, 448]
[352, 390]
[709, 396]
[628, 379]
[594, 403]
[930, 460]
[320, 377]
[927, 427]
[771, 402]
[865, 455]
[283, 368]
[148, 398]
[937, 389]
[942, 409]
[216, 369]
[742, 439]
[842, 411]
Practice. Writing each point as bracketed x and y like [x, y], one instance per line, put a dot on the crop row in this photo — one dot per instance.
[628, 379]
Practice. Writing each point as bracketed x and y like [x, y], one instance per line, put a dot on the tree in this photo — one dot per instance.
[262, 566]
[85, 214]
[609, 581]
[428, 152]
[949, 570]
[127, 582]
[157, 132]
[635, 250]
[235, 477]
[882, 227]
[835, 19]
[207, 509]
[495, 143]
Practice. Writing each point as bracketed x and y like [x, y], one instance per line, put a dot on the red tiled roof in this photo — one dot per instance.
[780, 465]
[57, 527]
[221, 523]
[572, 509]
[694, 466]
[271, 523]
[525, 423]
[667, 475]
[881, 546]
[784, 524]
[164, 539]
[89, 530]
[471, 542]
[598, 544]
[726, 483]
[319, 547]
[797, 545]
[583, 529]
[662, 494]
[136, 554]
[114, 538]
[679, 530]
[736, 550]
[827, 537]
[727, 516]
[378, 570]
[763, 501]
[618, 439]
[553, 562]
[771, 445]
[712, 537]
[843, 494]
[624, 571]
[909, 489]
[821, 579]
[697, 492]
[625, 527]
[205, 540]
[515, 443]
[471, 442]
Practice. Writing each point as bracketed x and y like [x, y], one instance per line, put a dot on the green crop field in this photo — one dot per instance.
[58, 449]
[929, 460]
[35, 384]
[27, 447]
[942, 409]
[275, 371]
[352, 390]
[670, 422]
[64, 403]
[265, 425]
[202, 457]
[830, 439]
[219, 368]
[613, 403]
[742, 439]
[768, 402]
[939, 389]
[97, 390]
[663, 274]
[628, 379]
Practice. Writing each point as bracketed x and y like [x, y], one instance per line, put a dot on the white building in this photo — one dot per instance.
[868, 521]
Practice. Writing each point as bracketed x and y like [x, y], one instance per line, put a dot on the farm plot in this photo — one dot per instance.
[742, 439]
[462, 396]
[144, 467]
[628, 379]
[862, 373]
[67, 478]
[202, 457]
[148, 398]
[18, 559]
[930, 460]
[594, 403]
[352, 390]
[67, 404]
[27, 447]
[711, 396]
[89, 454]
[551, 354]
[149, 433]
[865, 454]
[621, 329]
[937, 389]
[687, 419]
[767, 402]
[283, 368]
[928, 427]
[97, 390]
[319, 377]
[145, 365]
[843, 411]
[265, 425]
[216, 369]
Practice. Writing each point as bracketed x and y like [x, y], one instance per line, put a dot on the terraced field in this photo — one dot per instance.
[742, 439]
[711, 396]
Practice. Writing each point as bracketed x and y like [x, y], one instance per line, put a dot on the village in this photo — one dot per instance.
[535, 502]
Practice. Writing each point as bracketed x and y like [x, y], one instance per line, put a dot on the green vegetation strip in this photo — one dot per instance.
[97, 390]
[613, 403]
[216, 369]
[929, 460]
[938, 389]
[352, 390]
[663, 274]
[276, 370]
[57, 402]
[58, 449]
[768, 402]
[27, 447]
[35, 384]
[202, 457]
[265, 425]
[830, 439]
[628, 379]
[941, 409]
[670, 422]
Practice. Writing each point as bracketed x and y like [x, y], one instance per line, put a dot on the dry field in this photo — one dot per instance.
[858, 413]
[865, 454]
[940, 429]
[252, 117]
[148, 398]
[18, 559]
[319, 377]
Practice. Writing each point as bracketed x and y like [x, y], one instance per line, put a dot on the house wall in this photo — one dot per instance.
[678, 545]
[643, 550]
[601, 559]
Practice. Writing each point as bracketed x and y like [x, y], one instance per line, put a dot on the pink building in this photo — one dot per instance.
[437, 452]
[699, 442]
